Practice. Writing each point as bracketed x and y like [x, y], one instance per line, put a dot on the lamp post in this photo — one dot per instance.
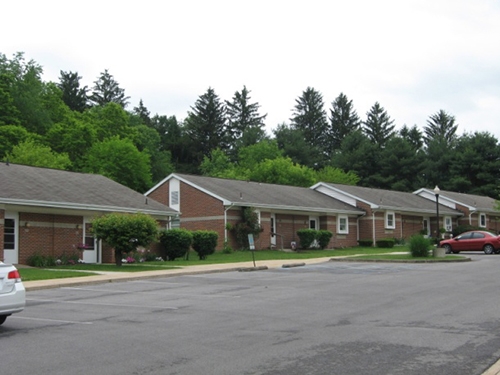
[436, 192]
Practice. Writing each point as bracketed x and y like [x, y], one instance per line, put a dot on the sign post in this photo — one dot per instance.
[252, 247]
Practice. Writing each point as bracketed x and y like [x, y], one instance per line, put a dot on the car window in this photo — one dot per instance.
[478, 235]
[465, 236]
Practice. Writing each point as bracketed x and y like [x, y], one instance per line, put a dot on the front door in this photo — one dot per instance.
[314, 224]
[10, 239]
[90, 251]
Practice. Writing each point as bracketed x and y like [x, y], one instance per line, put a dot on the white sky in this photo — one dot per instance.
[414, 57]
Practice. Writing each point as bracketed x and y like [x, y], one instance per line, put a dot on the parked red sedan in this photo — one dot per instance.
[476, 240]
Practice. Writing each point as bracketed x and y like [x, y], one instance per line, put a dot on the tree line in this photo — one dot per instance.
[69, 126]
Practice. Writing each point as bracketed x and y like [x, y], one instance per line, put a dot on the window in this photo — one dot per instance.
[342, 224]
[390, 221]
[447, 224]
[174, 198]
[9, 236]
[482, 220]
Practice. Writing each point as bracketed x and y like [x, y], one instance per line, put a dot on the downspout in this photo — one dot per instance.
[373, 229]
[225, 221]
[357, 226]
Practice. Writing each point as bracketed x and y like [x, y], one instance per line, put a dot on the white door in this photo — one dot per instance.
[10, 239]
[90, 252]
[273, 229]
[314, 224]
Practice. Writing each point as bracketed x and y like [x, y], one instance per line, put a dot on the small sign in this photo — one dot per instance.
[251, 242]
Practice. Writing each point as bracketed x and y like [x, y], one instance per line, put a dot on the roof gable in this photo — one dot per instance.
[473, 202]
[263, 195]
[386, 199]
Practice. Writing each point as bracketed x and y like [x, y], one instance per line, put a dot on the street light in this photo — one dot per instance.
[436, 192]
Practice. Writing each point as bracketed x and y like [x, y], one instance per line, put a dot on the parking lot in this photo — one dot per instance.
[328, 318]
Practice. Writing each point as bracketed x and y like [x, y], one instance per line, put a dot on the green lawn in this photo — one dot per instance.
[29, 274]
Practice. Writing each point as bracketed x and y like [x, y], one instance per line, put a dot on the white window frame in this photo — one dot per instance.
[482, 220]
[448, 223]
[387, 224]
[340, 218]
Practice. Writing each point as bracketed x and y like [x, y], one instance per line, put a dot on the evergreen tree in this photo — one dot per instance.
[309, 117]
[107, 90]
[440, 125]
[142, 112]
[73, 95]
[244, 119]
[475, 166]
[378, 125]
[413, 136]
[343, 121]
[293, 144]
[206, 126]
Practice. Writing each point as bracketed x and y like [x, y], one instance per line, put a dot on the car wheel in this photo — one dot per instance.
[2, 319]
[447, 248]
[488, 249]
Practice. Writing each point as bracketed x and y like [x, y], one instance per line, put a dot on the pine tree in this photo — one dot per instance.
[440, 126]
[245, 126]
[206, 125]
[74, 96]
[107, 90]
[309, 117]
[378, 125]
[142, 112]
[343, 121]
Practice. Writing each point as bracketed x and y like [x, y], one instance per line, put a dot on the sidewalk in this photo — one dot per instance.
[189, 270]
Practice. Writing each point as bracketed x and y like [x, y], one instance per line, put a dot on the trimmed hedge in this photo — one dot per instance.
[386, 243]
[175, 242]
[365, 243]
[204, 242]
[308, 236]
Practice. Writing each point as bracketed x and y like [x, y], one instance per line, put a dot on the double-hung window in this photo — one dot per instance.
[342, 224]
[390, 220]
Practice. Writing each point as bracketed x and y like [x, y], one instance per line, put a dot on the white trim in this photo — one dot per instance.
[480, 221]
[447, 227]
[386, 220]
[339, 219]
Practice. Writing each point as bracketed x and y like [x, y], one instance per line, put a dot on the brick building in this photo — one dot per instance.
[49, 212]
[213, 203]
[391, 214]
[478, 211]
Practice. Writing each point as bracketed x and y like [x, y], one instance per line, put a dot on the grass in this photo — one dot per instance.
[77, 270]
[31, 274]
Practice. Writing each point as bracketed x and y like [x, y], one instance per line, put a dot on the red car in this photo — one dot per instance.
[476, 240]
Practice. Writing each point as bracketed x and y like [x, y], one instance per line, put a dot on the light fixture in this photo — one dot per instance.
[27, 224]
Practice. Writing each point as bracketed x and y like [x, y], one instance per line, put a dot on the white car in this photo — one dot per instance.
[12, 292]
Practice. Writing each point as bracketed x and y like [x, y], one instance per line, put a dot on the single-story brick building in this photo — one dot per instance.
[391, 214]
[212, 203]
[49, 211]
[478, 211]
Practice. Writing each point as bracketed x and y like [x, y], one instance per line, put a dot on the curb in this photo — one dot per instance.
[293, 265]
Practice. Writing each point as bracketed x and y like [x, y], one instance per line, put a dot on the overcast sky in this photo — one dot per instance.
[413, 57]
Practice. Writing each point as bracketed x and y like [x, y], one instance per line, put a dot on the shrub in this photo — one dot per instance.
[204, 242]
[227, 249]
[306, 237]
[175, 242]
[249, 225]
[38, 260]
[386, 243]
[323, 237]
[365, 243]
[419, 246]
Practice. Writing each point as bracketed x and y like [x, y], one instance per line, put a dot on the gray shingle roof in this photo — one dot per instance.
[477, 202]
[34, 186]
[248, 193]
[393, 200]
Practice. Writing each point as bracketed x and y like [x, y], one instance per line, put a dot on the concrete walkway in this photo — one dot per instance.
[189, 270]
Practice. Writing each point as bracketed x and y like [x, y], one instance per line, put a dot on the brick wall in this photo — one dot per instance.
[49, 235]
[161, 194]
